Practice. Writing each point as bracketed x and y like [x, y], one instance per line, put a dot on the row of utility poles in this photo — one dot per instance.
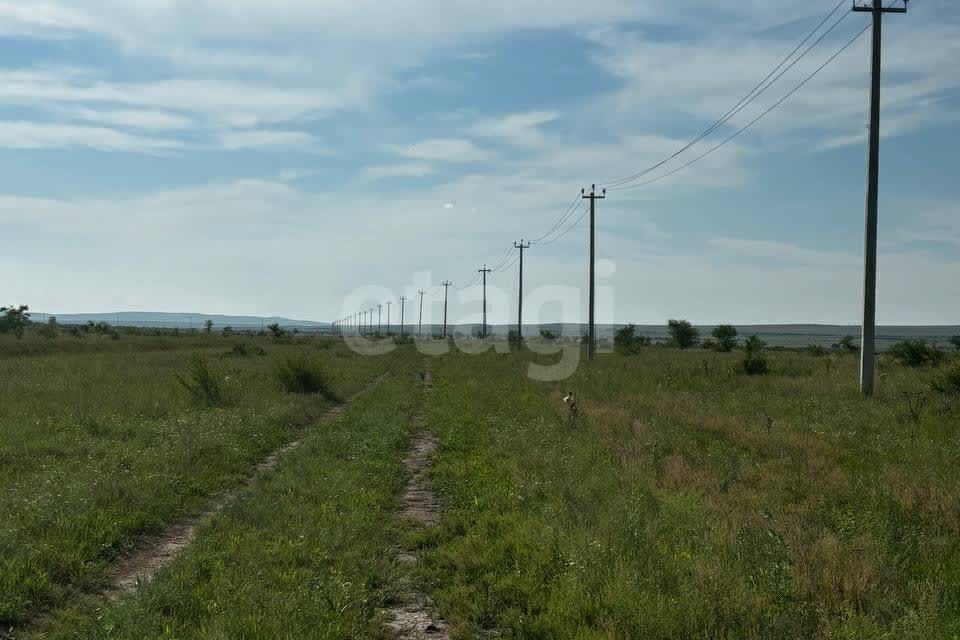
[868, 327]
[361, 323]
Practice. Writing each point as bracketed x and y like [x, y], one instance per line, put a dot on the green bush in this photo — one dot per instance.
[948, 382]
[683, 334]
[755, 362]
[917, 353]
[815, 350]
[955, 341]
[627, 342]
[303, 376]
[203, 384]
[847, 345]
[726, 337]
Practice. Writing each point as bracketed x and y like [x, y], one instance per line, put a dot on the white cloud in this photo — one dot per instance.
[441, 150]
[407, 170]
[37, 135]
[264, 139]
[521, 129]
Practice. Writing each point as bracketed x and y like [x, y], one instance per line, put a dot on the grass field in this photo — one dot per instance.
[686, 500]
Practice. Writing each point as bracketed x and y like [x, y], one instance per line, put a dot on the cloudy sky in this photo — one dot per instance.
[307, 157]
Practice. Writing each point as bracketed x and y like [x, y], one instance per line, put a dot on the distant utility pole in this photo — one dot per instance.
[520, 246]
[379, 317]
[591, 326]
[403, 300]
[363, 324]
[371, 320]
[446, 287]
[484, 271]
[869, 327]
[389, 302]
[420, 322]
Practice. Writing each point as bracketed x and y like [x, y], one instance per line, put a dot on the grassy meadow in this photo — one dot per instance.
[685, 500]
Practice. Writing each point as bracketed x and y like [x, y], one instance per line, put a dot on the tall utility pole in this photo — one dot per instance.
[379, 317]
[420, 322]
[389, 302]
[371, 320]
[520, 246]
[484, 271]
[446, 288]
[869, 327]
[403, 300]
[591, 326]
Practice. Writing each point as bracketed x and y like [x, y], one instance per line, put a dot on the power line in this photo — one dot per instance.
[755, 120]
[566, 214]
[752, 95]
[576, 223]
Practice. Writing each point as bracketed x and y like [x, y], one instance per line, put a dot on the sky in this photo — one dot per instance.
[311, 158]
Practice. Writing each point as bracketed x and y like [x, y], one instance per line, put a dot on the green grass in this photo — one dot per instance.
[98, 449]
[306, 552]
[687, 500]
[674, 508]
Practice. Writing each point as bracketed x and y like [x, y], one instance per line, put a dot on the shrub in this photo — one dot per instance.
[726, 337]
[847, 344]
[955, 341]
[240, 350]
[548, 335]
[203, 384]
[276, 330]
[755, 362]
[627, 342]
[683, 334]
[15, 320]
[709, 345]
[917, 353]
[815, 350]
[948, 382]
[299, 375]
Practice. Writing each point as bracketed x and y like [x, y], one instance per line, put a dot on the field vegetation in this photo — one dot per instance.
[694, 493]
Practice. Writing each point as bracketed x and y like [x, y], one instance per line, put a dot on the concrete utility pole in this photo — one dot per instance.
[446, 288]
[484, 271]
[420, 322]
[402, 301]
[389, 302]
[591, 326]
[520, 246]
[869, 326]
[379, 318]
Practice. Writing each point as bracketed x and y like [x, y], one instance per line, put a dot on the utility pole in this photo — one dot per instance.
[869, 326]
[371, 320]
[591, 326]
[379, 317]
[446, 287]
[420, 322]
[520, 246]
[389, 302]
[484, 271]
[403, 300]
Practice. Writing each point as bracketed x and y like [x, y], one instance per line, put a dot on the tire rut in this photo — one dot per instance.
[413, 616]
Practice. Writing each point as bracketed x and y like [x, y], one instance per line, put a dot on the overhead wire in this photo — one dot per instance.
[752, 95]
[755, 120]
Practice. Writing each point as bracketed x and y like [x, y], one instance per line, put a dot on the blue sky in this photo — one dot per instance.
[309, 158]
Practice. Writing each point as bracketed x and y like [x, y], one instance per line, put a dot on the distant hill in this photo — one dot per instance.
[181, 320]
[783, 335]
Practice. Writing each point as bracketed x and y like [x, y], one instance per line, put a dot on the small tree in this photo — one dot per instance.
[755, 363]
[683, 334]
[917, 353]
[208, 327]
[276, 330]
[51, 329]
[627, 342]
[847, 345]
[548, 335]
[15, 320]
[955, 341]
[228, 330]
[726, 337]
